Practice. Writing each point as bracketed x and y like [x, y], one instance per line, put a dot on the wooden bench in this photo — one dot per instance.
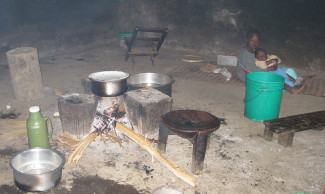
[287, 126]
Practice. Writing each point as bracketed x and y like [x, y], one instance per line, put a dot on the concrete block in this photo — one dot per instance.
[145, 108]
[227, 60]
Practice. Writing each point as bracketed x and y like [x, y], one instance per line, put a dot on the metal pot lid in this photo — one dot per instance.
[108, 76]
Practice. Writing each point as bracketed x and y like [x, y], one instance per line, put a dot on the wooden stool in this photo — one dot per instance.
[144, 109]
[287, 126]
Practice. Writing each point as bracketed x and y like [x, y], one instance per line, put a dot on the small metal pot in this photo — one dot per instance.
[37, 169]
[108, 83]
[161, 82]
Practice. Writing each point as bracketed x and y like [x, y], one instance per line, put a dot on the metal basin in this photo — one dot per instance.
[108, 83]
[158, 81]
[37, 169]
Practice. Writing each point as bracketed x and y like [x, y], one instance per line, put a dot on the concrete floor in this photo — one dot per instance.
[238, 159]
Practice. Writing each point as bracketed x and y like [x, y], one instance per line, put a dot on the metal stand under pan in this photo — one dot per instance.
[196, 126]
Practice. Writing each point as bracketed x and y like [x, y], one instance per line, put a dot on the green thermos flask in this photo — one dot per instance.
[37, 129]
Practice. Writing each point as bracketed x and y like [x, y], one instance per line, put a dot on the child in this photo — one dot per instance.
[269, 62]
[263, 60]
[293, 83]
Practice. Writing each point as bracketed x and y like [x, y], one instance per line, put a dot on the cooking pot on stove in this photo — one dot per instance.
[108, 83]
[161, 82]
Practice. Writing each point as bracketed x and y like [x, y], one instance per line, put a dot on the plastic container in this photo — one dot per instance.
[37, 129]
[263, 96]
[122, 37]
[125, 35]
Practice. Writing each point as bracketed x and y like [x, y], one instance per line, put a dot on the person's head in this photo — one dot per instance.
[253, 38]
[260, 54]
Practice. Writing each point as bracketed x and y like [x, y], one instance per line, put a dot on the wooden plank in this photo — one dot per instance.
[148, 39]
[147, 146]
[157, 30]
[145, 53]
[297, 123]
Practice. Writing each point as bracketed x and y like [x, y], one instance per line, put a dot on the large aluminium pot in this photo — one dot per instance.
[37, 169]
[161, 82]
[108, 83]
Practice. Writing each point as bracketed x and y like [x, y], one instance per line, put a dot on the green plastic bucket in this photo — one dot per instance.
[263, 96]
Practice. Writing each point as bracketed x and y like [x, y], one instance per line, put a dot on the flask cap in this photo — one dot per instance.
[34, 109]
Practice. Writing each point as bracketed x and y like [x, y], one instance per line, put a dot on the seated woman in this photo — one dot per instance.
[246, 56]
[292, 82]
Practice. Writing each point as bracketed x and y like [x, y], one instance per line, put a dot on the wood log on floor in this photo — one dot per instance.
[25, 73]
[77, 112]
[144, 109]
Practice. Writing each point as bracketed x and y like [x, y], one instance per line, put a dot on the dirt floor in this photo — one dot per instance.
[238, 159]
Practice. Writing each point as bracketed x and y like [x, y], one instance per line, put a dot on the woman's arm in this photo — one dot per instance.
[247, 60]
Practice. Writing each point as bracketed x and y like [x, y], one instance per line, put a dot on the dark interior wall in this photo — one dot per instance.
[285, 25]
[267, 15]
[56, 12]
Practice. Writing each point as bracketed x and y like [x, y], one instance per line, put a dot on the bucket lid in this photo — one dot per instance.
[34, 109]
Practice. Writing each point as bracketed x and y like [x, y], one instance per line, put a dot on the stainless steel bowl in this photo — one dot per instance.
[108, 83]
[37, 169]
[158, 81]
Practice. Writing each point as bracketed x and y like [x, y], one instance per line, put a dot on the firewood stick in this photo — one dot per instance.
[88, 140]
[83, 147]
[77, 153]
[147, 146]
[77, 150]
